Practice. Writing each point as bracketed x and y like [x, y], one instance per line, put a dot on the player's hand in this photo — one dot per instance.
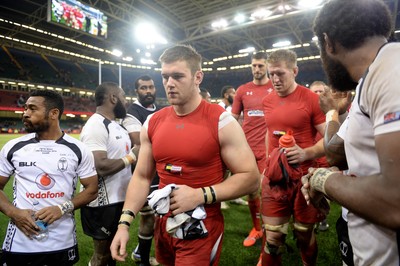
[295, 154]
[48, 214]
[336, 100]
[118, 245]
[342, 99]
[316, 198]
[24, 220]
[184, 198]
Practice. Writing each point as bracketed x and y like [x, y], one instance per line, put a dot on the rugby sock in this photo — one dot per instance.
[271, 260]
[254, 206]
[309, 254]
[144, 249]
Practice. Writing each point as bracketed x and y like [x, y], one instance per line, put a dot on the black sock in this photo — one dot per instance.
[144, 250]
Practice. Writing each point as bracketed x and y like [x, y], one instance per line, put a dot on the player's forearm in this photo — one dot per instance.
[136, 193]
[238, 185]
[315, 151]
[108, 167]
[370, 197]
[6, 206]
[88, 194]
[334, 146]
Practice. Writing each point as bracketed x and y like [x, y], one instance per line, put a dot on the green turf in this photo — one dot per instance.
[237, 226]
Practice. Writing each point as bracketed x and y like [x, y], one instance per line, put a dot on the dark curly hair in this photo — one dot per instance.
[351, 22]
[52, 100]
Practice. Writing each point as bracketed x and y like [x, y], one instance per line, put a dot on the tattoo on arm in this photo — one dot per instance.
[334, 146]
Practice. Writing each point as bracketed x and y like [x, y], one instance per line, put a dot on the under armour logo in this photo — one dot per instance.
[249, 93]
[343, 248]
[71, 254]
[180, 126]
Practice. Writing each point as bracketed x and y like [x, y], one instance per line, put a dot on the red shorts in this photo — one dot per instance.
[284, 201]
[261, 159]
[174, 251]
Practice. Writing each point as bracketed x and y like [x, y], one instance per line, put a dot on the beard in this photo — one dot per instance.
[258, 76]
[230, 100]
[119, 110]
[146, 100]
[338, 76]
[40, 127]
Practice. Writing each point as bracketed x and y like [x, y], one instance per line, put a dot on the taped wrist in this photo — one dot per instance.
[126, 218]
[66, 207]
[318, 179]
[130, 158]
[332, 115]
[209, 194]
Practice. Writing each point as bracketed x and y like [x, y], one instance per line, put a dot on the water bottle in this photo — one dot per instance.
[287, 140]
[43, 234]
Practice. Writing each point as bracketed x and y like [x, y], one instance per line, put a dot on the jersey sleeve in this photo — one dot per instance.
[95, 137]
[237, 106]
[380, 93]
[224, 119]
[131, 123]
[87, 167]
[6, 168]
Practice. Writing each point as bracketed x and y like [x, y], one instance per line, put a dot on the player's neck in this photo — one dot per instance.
[188, 107]
[103, 112]
[262, 81]
[53, 133]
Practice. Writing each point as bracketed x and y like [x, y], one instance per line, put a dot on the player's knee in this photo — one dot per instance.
[303, 232]
[274, 250]
[276, 234]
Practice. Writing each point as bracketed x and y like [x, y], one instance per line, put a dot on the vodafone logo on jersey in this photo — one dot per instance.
[44, 182]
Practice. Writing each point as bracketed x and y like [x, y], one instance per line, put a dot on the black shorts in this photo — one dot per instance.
[101, 223]
[344, 241]
[66, 257]
[154, 183]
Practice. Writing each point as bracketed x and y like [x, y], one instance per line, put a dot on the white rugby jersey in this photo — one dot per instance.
[46, 173]
[379, 98]
[101, 134]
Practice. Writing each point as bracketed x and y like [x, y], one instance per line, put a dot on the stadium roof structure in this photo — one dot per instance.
[24, 25]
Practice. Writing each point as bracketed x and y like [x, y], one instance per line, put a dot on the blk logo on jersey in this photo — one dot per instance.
[44, 181]
[26, 164]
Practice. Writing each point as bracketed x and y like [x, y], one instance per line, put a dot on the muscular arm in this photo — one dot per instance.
[139, 184]
[317, 150]
[136, 194]
[298, 155]
[334, 146]
[375, 198]
[88, 194]
[106, 166]
[239, 158]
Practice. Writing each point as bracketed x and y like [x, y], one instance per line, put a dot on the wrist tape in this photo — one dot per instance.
[126, 218]
[318, 179]
[332, 115]
[129, 159]
[209, 194]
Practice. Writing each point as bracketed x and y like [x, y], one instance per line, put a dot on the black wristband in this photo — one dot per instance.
[214, 197]
[205, 195]
[125, 223]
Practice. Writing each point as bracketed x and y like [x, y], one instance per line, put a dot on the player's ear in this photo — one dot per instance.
[198, 76]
